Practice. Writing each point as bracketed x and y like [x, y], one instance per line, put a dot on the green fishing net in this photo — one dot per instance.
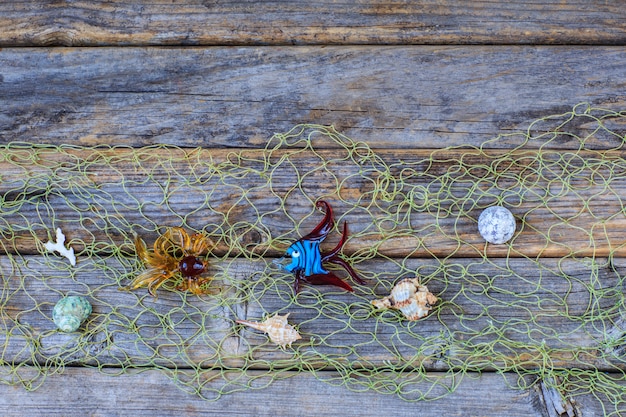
[547, 306]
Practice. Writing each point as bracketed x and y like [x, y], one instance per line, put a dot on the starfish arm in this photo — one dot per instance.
[145, 278]
[142, 250]
[154, 285]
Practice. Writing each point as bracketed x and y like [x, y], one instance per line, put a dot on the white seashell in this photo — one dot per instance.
[411, 298]
[69, 313]
[277, 328]
[496, 224]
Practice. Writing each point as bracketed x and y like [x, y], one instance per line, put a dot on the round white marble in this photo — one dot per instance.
[496, 224]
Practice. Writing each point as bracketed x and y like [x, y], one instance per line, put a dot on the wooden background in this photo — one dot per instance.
[406, 77]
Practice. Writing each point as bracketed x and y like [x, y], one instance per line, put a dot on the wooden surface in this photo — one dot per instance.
[212, 22]
[467, 310]
[395, 96]
[407, 78]
[151, 392]
[591, 207]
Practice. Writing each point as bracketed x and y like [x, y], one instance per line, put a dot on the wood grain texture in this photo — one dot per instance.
[560, 206]
[193, 22]
[524, 311]
[405, 77]
[151, 393]
[390, 97]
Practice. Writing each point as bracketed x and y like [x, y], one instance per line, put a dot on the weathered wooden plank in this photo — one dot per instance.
[87, 392]
[394, 97]
[41, 23]
[424, 203]
[498, 314]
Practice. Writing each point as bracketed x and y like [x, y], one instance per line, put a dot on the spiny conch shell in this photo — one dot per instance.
[411, 298]
[69, 313]
[277, 328]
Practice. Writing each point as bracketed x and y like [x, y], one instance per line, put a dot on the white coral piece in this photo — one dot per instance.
[59, 246]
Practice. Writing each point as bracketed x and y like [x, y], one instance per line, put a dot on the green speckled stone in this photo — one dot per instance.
[70, 312]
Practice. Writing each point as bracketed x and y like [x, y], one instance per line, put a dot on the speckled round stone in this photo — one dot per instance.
[69, 313]
[496, 224]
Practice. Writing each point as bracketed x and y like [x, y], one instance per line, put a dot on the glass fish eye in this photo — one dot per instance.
[295, 254]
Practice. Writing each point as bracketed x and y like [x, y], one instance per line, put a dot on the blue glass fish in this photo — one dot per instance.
[307, 259]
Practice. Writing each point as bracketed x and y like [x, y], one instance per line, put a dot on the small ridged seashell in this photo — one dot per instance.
[411, 298]
[69, 313]
[277, 328]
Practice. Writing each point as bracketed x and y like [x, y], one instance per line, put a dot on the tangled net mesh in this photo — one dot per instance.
[548, 306]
